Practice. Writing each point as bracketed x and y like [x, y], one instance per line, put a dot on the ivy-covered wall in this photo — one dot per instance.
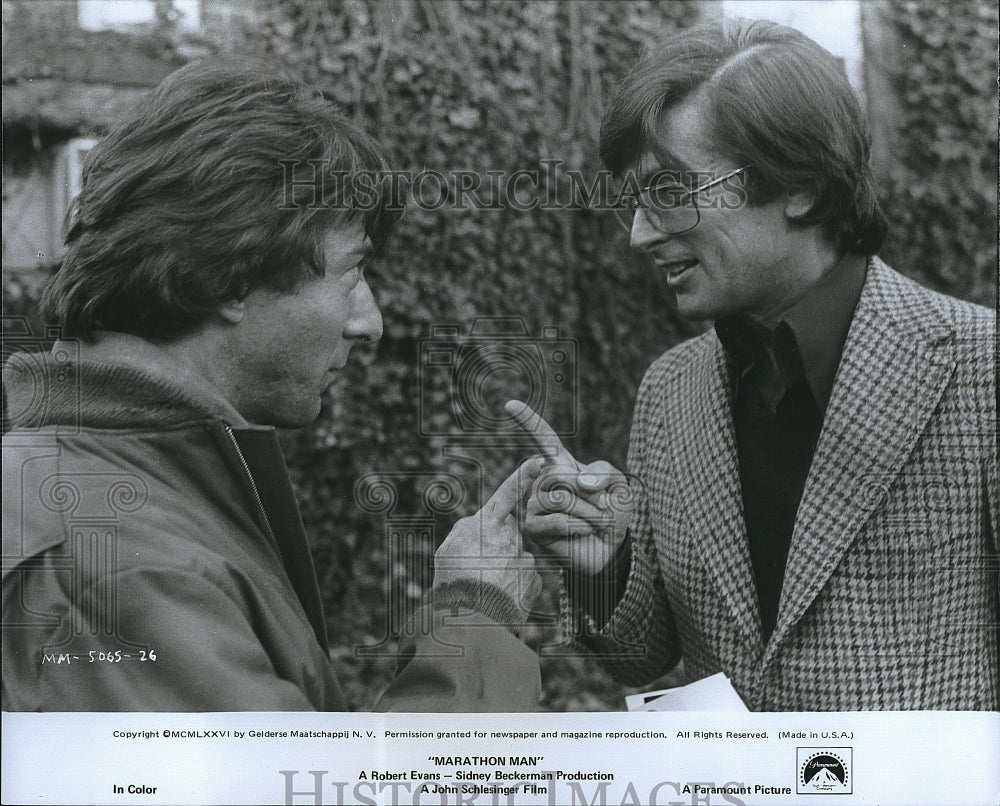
[473, 86]
[941, 189]
[485, 86]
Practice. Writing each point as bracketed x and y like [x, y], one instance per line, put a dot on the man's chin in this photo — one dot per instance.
[694, 310]
[307, 417]
[292, 414]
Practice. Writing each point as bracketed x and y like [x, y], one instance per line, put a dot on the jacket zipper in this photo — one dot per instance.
[256, 494]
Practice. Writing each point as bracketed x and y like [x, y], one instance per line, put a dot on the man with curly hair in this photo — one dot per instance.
[151, 535]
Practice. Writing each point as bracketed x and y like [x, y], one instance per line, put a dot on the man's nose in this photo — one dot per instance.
[365, 324]
[644, 235]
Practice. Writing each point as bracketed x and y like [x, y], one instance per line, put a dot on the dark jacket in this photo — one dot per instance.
[155, 560]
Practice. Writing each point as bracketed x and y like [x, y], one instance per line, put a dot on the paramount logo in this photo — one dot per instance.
[824, 771]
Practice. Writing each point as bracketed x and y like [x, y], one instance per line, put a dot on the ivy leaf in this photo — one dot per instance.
[464, 118]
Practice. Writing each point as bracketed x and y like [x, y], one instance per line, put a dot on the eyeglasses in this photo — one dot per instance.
[670, 207]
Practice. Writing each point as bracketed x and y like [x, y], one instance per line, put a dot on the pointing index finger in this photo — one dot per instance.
[508, 494]
[542, 434]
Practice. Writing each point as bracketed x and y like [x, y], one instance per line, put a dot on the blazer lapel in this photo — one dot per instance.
[709, 482]
[888, 384]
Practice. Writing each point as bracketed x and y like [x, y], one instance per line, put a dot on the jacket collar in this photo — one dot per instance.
[116, 381]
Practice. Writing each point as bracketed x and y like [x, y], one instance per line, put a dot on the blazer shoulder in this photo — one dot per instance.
[918, 310]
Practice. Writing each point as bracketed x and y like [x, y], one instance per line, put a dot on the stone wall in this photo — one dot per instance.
[62, 82]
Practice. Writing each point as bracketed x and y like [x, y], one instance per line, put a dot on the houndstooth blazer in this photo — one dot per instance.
[890, 598]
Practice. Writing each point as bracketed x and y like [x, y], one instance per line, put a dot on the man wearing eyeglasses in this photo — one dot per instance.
[812, 505]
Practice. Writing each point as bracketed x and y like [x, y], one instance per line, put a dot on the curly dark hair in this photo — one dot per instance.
[202, 194]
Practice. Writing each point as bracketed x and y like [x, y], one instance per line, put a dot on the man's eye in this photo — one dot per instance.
[667, 196]
[361, 269]
[352, 276]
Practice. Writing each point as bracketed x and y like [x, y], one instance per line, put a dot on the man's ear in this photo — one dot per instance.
[798, 204]
[232, 311]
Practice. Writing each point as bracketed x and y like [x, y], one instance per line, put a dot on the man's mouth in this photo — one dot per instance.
[340, 362]
[676, 269]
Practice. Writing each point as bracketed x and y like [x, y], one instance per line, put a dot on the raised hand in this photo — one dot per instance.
[576, 511]
[486, 546]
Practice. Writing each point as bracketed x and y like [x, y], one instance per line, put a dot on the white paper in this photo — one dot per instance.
[713, 693]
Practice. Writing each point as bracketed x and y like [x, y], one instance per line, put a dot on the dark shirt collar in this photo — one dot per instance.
[818, 324]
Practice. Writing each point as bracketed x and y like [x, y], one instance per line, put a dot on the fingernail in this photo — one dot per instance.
[588, 479]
